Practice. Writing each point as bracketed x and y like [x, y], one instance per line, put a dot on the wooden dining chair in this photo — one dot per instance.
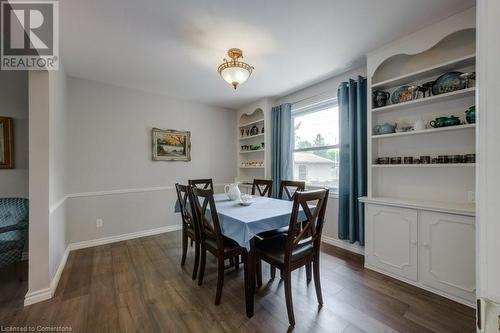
[212, 239]
[297, 248]
[263, 186]
[190, 225]
[202, 183]
[287, 185]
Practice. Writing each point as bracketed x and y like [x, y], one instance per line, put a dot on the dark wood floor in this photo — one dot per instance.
[139, 286]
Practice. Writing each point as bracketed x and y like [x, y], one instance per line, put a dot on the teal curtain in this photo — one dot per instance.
[281, 145]
[352, 99]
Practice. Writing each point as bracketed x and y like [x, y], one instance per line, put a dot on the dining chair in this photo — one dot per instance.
[212, 239]
[298, 247]
[190, 224]
[203, 183]
[263, 186]
[285, 186]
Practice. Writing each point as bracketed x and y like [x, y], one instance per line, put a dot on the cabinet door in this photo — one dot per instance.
[448, 253]
[391, 240]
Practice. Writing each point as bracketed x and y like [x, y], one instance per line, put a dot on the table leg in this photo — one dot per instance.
[250, 279]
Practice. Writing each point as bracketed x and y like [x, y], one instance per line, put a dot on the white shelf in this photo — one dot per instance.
[251, 167]
[436, 165]
[251, 151]
[436, 70]
[251, 137]
[426, 131]
[444, 207]
[252, 123]
[428, 100]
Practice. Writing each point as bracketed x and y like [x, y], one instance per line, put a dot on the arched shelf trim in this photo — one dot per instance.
[422, 40]
[256, 115]
[401, 57]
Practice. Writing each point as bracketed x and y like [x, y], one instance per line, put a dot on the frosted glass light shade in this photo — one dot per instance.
[235, 75]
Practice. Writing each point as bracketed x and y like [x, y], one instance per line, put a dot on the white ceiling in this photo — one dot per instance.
[174, 47]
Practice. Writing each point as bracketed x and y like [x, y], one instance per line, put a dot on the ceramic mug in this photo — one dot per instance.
[395, 160]
[425, 159]
[408, 160]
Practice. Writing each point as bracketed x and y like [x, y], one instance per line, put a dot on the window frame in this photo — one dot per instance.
[317, 107]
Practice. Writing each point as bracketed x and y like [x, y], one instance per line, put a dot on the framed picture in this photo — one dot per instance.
[171, 145]
[6, 151]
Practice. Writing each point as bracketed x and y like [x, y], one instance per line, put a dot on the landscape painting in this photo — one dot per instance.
[171, 145]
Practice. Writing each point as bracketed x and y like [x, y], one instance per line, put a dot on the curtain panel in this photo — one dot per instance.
[352, 99]
[281, 145]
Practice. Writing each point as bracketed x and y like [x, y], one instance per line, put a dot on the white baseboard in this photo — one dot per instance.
[37, 296]
[356, 248]
[119, 238]
[47, 293]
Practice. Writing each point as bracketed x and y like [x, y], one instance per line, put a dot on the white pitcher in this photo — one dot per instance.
[232, 191]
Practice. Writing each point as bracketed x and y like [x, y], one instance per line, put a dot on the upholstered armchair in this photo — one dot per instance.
[13, 229]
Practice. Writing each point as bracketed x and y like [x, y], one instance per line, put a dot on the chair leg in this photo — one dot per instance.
[273, 271]
[231, 261]
[317, 283]
[288, 296]
[237, 262]
[192, 241]
[308, 272]
[258, 271]
[281, 274]
[19, 271]
[196, 259]
[184, 247]
[220, 280]
[203, 261]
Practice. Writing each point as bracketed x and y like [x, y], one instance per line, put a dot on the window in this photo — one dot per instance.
[316, 145]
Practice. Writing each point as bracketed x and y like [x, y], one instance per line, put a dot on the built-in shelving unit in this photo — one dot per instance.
[419, 218]
[251, 143]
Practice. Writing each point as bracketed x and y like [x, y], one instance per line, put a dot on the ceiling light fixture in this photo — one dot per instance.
[233, 71]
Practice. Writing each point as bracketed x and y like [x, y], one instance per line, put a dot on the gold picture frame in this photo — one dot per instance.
[171, 145]
[6, 144]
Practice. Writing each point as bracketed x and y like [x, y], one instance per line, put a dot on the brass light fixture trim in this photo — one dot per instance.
[234, 54]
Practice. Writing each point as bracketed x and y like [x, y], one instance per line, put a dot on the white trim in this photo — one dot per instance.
[37, 296]
[47, 293]
[119, 238]
[58, 204]
[422, 286]
[124, 191]
[355, 248]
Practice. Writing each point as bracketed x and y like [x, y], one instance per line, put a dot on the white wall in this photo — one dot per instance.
[57, 168]
[488, 179]
[111, 172]
[316, 93]
[14, 104]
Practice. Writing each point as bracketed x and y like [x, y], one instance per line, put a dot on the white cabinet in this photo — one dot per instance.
[392, 236]
[448, 253]
[424, 247]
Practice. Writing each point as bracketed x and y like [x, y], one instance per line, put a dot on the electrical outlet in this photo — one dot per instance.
[98, 223]
[471, 196]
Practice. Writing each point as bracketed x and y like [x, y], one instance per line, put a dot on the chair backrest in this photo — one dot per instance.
[188, 210]
[207, 215]
[13, 211]
[202, 183]
[303, 232]
[286, 185]
[263, 186]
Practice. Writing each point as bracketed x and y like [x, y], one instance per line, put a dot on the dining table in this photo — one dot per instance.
[243, 223]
